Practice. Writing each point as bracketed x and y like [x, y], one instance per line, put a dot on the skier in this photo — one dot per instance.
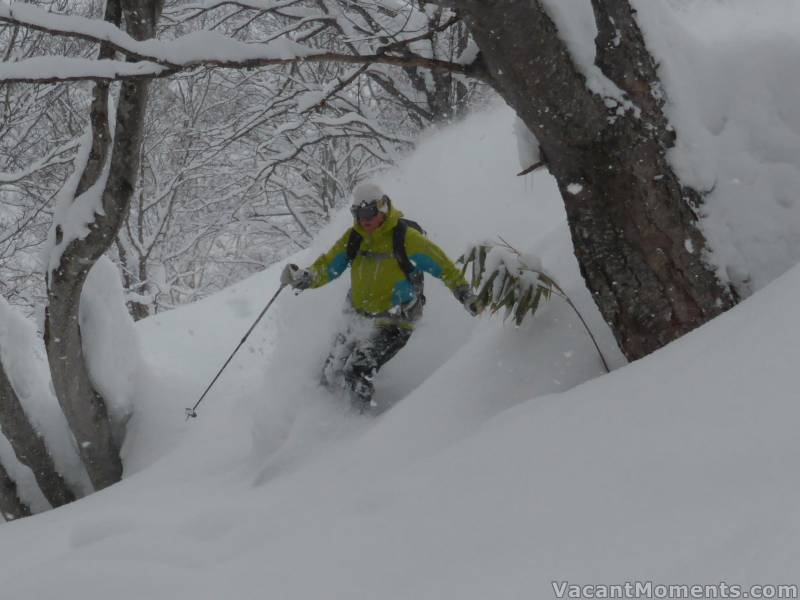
[387, 256]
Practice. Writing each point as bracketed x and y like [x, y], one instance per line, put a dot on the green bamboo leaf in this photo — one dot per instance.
[477, 275]
[537, 297]
[480, 264]
[509, 305]
[552, 285]
[511, 288]
[510, 298]
[485, 291]
[465, 260]
[499, 287]
[470, 262]
[523, 305]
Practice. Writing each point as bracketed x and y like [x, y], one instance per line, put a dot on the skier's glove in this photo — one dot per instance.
[471, 302]
[296, 277]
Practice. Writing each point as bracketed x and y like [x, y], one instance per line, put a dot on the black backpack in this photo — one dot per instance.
[399, 250]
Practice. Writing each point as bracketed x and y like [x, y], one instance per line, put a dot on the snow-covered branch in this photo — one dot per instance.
[162, 58]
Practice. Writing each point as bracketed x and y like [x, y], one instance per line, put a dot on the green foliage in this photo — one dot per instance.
[506, 279]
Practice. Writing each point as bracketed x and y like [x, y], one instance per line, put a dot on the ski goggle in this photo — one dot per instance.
[366, 210]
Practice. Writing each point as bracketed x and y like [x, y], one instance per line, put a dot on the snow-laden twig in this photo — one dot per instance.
[505, 278]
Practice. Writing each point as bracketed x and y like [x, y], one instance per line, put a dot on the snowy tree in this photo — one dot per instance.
[603, 134]
[29, 448]
[24, 385]
[10, 504]
[39, 126]
[91, 210]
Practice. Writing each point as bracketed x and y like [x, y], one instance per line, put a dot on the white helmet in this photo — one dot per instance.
[369, 195]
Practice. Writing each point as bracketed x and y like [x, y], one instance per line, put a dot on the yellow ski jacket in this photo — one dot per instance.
[378, 284]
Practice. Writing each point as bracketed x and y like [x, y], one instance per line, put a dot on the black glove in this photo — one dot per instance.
[296, 277]
[471, 302]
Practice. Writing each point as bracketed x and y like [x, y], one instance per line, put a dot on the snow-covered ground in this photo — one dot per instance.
[506, 462]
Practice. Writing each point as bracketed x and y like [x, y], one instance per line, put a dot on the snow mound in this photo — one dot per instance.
[729, 69]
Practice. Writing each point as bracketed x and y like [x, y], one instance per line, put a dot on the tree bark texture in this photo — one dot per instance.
[84, 408]
[633, 224]
[29, 446]
[12, 507]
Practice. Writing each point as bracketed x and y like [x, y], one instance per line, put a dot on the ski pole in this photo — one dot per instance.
[192, 412]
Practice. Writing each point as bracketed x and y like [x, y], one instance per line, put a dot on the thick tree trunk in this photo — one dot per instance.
[29, 446]
[10, 504]
[632, 222]
[83, 406]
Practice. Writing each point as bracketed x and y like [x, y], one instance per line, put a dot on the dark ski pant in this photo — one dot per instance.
[357, 355]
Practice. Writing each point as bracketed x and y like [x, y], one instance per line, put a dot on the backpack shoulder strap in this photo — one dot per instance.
[413, 225]
[353, 244]
[399, 246]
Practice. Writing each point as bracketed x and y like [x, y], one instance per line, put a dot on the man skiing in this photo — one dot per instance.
[387, 256]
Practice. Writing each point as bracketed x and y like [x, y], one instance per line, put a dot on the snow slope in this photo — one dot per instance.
[267, 422]
[507, 465]
[493, 476]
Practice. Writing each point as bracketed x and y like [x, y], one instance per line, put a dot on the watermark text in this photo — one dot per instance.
[635, 590]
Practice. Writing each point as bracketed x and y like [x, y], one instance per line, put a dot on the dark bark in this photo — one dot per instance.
[12, 507]
[632, 222]
[29, 446]
[83, 406]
